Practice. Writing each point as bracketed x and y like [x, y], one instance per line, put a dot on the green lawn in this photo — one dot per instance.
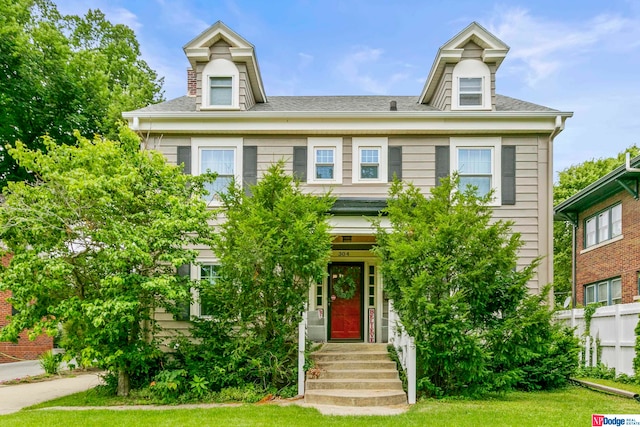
[570, 407]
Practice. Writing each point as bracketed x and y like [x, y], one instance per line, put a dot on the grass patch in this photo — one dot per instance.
[572, 406]
[634, 388]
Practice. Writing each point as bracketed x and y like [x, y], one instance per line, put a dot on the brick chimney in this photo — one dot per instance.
[191, 82]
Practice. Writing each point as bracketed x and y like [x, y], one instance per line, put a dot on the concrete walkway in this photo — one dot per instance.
[18, 396]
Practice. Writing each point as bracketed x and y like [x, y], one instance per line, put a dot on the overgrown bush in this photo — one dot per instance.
[453, 274]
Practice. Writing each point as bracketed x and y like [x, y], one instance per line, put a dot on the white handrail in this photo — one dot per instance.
[406, 350]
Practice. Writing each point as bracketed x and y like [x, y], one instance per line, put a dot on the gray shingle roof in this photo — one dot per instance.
[340, 103]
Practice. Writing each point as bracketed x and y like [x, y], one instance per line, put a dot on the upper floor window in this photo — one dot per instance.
[220, 85]
[325, 161]
[477, 161]
[475, 169]
[603, 226]
[606, 292]
[470, 92]
[471, 86]
[369, 160]
[220, 155]
[220, 90]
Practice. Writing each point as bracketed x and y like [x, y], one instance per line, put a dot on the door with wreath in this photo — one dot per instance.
[345, 301]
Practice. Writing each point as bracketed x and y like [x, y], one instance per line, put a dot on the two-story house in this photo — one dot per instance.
[606, 239]
[354, 145]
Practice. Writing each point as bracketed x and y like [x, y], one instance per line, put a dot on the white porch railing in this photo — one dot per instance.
[406, 349]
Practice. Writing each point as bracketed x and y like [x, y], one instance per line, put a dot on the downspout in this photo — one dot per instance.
[628, 164]
[559, 126]
[574, 258]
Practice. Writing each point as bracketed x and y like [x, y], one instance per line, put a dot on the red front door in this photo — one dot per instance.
[345, 294]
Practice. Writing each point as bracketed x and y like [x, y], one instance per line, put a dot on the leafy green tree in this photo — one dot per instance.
[95, 241]
[64, 73]
[271, 246]
[570, 181]
[452, 273]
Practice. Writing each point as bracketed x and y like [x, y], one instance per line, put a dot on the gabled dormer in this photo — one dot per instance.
[224, 71]
[462, 77]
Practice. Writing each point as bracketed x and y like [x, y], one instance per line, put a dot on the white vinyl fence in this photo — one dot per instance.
[612, 330]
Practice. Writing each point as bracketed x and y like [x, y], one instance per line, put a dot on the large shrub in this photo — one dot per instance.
[453, 274]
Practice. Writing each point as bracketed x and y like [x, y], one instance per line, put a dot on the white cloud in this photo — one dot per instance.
[176, 15]
[124, 16]
[542, 47]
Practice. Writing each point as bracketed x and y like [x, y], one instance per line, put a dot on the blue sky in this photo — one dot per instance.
[573, 56]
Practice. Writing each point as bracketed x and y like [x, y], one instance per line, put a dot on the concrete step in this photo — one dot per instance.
[377, 374]
[354, 384]
[356, 397]
[334, 356]
[346, 347]
[356, 365]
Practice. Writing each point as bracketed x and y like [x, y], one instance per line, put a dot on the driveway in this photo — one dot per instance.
[13, 370]
[18, 396]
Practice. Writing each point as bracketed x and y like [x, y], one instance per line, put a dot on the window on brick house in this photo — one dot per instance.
[603, 226]
[606, 292]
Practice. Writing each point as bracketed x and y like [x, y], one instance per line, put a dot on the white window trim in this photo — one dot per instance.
[194, 308]
[493, 143]
[471, 68]
[604, 242]
[220, 68]
[334, 143]
[202, 143]
[380, 143]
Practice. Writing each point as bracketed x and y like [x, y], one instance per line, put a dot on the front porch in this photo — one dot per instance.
[349, 304]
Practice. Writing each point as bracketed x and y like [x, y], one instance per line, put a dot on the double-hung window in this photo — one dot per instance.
[220, 91]
[222, 156]
[606, 292]
[474, 168]
[324, 161]
[470, 91]
[477, 162]
[370, 160]
[208, 277]
[603, 226]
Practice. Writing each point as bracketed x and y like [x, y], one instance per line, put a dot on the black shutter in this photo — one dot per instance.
[249, 167]
[300, 163]
[183, 313]
[395, 162]
[184, 156]
[442, 162]
[508, 183]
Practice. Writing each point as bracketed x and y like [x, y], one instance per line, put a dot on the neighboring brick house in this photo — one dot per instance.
[606, 220]
[354, 145]
[25, 349]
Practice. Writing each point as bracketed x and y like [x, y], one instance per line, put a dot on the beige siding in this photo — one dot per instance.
[199, 68]
[246, 94]
[530, 214]
[442, 95]
[220, 50]
[472, 51]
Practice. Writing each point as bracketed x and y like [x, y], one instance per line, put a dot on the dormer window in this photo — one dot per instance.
[470, 92]
[220, 86]
[221, 90]
[471, 88]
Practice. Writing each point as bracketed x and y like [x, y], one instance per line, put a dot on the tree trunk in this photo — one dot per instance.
[123, 383]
